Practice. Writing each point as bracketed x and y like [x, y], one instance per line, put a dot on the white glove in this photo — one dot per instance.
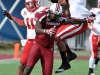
[51, 30]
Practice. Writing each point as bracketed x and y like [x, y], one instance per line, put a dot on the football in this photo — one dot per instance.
[62, 2]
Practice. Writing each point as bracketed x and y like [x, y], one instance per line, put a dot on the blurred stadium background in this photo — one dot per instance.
[10, 33]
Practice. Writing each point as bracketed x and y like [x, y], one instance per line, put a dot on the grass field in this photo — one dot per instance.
[78, 67]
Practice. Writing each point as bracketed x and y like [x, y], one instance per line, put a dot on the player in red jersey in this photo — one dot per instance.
[31, 7]
[46, 25]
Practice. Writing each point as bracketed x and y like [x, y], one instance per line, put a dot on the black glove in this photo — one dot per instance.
[93, 15]
[7, 14]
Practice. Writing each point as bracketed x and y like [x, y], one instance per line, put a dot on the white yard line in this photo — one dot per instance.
[8, 61]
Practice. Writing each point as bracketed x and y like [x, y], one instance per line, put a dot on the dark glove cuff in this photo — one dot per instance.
[54, 1]
[66, 1]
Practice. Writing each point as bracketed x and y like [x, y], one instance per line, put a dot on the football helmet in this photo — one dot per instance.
[32, 5]
[98, 3]
[55, 11]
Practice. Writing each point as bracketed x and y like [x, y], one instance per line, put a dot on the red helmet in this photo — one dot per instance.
[32, 5]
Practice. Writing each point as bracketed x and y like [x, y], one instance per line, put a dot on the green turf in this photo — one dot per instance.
[8, 51]
[79, 67]
[83, 52]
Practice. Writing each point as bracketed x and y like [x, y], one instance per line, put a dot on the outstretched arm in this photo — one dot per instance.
[40, 30]
[75, 21]
[80, 20]
[19, 21]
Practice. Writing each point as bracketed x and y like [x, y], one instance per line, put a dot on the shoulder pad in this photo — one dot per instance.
[39, 15]
[23, 12]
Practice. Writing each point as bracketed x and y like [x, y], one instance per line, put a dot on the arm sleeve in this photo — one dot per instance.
[23, 12]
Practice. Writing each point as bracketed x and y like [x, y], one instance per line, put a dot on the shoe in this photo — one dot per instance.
[63, 67]
[95, 66]
[71, 56]
[91, 74]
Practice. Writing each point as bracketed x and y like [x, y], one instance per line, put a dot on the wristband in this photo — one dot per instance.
[44, 30]
[90, 27]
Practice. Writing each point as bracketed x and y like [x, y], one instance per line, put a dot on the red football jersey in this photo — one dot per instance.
[46, 40]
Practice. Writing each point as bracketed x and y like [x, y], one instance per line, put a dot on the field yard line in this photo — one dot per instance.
[8, 61]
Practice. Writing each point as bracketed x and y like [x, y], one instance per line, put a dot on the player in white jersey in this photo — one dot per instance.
[94, 38]
[31, 7]
[79, 11]
[97, 59]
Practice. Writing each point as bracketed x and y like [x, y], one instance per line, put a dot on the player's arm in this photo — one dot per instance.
[75, 21]
[40, 30]
[19, 21]
[91, 27]
[78, 21]
[38, 26]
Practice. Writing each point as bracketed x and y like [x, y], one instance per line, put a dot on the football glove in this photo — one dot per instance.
[7, 14]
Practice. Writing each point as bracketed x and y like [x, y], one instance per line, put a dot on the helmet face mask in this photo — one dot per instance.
[55, 11]
[53, 16]
[31, 5]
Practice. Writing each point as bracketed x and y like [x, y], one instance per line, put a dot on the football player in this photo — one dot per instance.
[47, 22]
[28, 13]
[94, 38]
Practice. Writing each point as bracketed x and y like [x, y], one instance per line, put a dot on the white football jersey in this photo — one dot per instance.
[29, 21]
[96, 23]
[78, 9]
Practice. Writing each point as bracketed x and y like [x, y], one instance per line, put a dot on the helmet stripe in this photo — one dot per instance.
[57, 7]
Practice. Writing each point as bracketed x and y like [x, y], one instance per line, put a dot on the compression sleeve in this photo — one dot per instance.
[19, 21]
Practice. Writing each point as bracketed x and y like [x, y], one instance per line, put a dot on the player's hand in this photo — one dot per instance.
[51, 30]
[7, 14]
[91, 19]
[92, 28]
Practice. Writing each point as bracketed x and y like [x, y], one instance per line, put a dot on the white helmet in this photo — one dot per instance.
[29, 5]
[56, 9]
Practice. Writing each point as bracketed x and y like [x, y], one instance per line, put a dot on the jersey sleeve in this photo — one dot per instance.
[42, 8]
[23, 12]
[39, 15]
[93, 10]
